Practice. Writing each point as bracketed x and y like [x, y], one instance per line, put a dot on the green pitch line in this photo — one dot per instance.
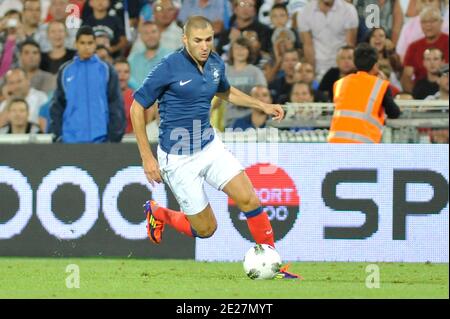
[141, 278]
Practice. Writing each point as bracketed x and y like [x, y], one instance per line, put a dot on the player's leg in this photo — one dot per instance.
[202, 224]
[226, 174]
[241, 190]
[182, 175]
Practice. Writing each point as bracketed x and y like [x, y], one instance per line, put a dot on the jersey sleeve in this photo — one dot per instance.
[153, 86]
[224, 85]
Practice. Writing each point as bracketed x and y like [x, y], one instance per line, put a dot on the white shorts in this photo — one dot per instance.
[185, 174]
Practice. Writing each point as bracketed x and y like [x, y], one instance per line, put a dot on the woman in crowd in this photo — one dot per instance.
[386, 54]
[242, 75]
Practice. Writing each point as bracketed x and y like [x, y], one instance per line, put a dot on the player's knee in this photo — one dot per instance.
[207, 231]
[250, 202]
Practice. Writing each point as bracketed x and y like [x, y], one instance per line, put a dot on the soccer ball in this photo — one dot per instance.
[262, 262]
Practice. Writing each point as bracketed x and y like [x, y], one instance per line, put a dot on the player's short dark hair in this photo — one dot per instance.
[31, 42]
[365, 57]
[16, 100]
[84, 30]
[197, 22]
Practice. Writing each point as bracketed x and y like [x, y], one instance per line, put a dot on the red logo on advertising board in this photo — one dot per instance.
[279, 198]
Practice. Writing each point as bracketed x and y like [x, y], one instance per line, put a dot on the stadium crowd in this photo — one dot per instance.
[280, 51]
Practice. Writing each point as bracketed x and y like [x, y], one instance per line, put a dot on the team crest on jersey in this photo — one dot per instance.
[216, 74]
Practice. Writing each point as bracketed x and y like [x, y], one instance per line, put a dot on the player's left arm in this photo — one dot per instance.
[237, 97]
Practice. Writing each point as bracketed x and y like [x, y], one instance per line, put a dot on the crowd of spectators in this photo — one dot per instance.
[275, 50]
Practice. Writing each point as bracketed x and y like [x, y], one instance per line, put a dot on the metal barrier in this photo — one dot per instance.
[414, 125]
[309, 123]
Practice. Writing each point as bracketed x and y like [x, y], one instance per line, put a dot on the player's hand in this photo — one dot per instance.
[275, 110]
[152, 172]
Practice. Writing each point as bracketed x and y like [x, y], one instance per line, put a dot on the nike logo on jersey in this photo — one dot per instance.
[184, 83]
[269, 232]
[70, 78]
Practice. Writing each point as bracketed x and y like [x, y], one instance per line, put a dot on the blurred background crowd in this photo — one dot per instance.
[277, 51]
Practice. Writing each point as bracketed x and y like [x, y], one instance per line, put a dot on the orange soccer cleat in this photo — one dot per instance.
[284, 274]
[155, 227]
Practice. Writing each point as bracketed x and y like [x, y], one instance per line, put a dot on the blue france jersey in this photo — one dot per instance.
[184, 94]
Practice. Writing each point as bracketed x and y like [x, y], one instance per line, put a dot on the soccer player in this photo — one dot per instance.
[189, 153]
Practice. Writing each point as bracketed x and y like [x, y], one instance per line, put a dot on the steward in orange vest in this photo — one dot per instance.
[361, 100]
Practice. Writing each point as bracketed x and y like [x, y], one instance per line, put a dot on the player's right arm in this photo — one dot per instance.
[149, 162]
[144, 98]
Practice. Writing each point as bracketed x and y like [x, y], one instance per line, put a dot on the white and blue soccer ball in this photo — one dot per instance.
[262, 262]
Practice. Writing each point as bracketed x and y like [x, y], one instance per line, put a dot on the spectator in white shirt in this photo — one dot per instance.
[325, 26]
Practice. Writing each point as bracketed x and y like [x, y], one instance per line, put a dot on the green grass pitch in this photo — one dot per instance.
[148, 278]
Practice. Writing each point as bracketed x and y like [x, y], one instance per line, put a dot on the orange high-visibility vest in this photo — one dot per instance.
[358, 115]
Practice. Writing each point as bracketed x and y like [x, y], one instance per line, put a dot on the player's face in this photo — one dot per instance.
[85, 46]
[199, 43]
